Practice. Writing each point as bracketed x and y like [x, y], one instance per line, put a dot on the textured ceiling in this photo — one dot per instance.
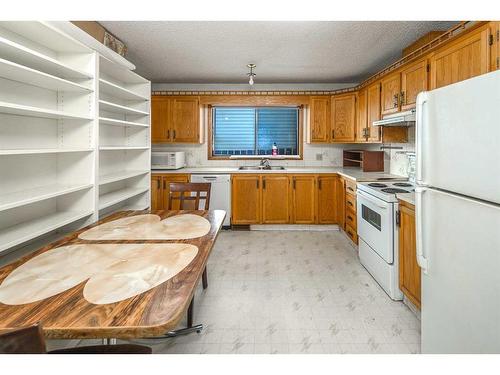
[285, 52]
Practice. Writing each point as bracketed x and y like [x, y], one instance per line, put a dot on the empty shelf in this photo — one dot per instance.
[119, 72]
[118, 108]
[23, 55]
[117, 196]
[21, 73]
[112, 121]
[43, 151]
[24, 197]
[25, 110]
[118, 91]
[118, 148]
[118, 176]
[28, 230]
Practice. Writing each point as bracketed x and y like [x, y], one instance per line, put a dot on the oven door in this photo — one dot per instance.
[375, 224]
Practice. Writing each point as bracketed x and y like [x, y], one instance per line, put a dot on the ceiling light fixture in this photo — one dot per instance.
[251, 74]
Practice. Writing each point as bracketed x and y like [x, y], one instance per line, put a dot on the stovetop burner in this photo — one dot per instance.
[403, 184]
[394, 190]
[377, 185]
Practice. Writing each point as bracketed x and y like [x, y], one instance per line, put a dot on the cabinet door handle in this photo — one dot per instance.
[164, 184]
[403, 102]
[158, 184]
[350, 188]
[319, 184]
[168, 134]
[263, 183]
[257, 183]
[333, 133]
[395, 100]
[350, 217]
[174, 134]
[294, 183]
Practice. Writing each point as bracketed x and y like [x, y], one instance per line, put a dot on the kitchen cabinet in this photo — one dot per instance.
[494, 46]
[362, 116]
[343, 118]
[328, 187]
[304, 199]
[160, 190]
[175, 119]
[160, 119]
[373, 112]
[409, 271]
[319, 119]
[390, 93]
[156, 193]
[246, 196]
[413, 81]
[349, 211]
[275, 199]
[464, 58]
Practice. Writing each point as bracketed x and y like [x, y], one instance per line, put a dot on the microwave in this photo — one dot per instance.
[168, 159]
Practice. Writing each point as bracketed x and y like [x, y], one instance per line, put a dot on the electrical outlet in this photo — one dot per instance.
[319, 157]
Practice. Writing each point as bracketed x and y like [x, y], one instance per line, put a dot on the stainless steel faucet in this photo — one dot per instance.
[265, 163]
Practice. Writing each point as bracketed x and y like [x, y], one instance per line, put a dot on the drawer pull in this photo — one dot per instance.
[350, 217]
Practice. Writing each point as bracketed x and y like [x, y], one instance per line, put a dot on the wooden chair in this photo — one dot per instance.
[187, 192]
[30, 340]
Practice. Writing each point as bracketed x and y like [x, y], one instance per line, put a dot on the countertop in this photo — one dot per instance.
[407, 197]
[353, 173]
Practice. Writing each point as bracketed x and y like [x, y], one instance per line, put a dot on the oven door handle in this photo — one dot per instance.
[365, 196]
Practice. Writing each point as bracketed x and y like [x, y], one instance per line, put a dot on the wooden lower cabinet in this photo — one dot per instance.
[409, 271]
[328, 198]
[160, 190]
[246, 198]
[303, 199]
[275, 199]
[348, 220]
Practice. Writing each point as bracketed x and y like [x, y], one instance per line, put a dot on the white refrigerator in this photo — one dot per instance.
[458, 215]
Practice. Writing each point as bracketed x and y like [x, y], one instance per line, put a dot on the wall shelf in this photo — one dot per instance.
[121, 109]
[122, 148]
[25, 110]
[111, 121]
[119, 176]
[44, 151]
[17, 234]
[115, 197]
[24, 197]
[118, 91]
[36, 60]
[21, 73]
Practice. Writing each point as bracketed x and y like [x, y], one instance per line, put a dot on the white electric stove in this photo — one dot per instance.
[377, 211]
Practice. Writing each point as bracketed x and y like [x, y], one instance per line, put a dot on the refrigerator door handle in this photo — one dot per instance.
[421, 100]
[421, 259]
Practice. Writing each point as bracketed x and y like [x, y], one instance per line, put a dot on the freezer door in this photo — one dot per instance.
[459, 241]
[458, 138]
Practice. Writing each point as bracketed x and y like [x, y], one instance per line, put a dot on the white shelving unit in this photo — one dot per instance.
[124, 138]
[74, 134]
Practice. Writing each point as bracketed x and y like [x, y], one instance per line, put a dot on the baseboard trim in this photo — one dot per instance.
[294, 227]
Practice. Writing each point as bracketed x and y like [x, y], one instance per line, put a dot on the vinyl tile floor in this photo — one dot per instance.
[290, 292]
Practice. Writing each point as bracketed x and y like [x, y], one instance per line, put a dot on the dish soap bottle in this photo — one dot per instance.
[275, 149]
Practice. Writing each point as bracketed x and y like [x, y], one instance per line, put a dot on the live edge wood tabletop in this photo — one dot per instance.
[68, 315]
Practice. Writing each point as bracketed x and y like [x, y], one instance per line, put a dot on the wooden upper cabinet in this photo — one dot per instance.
[246, 199]
[160, 119]
[328, 199]
[495, 46]
[275, 199]
[343, 118]
[156, 193]
[413, 81]
[390, 100]
[303, 199]
[464, 58]
[186, 120]
[373, 112]
[319, 119]
[409, 271]
[362, 116]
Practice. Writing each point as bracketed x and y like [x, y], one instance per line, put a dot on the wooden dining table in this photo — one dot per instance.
[68, 315]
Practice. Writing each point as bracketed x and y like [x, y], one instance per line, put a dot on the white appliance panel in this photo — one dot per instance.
[458, 239]
[457, 138]
[220, 193]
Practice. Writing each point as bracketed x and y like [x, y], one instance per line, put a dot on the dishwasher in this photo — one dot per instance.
[220, 192]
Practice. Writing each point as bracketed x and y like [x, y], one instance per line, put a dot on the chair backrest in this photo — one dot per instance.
[28, 340]
[189, 192]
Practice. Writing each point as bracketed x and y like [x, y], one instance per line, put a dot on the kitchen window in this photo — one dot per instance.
[252, 131]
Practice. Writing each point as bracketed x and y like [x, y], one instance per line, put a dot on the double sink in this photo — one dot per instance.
[261, 168]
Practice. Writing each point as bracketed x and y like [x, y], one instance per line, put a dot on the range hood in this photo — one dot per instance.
[397, 119]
